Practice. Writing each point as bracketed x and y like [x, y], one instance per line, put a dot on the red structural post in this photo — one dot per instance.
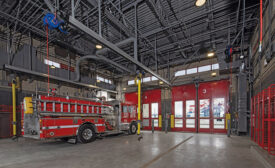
[258, 126]
[263, 120]
[269, 124]
[251, 118]
[255, 116]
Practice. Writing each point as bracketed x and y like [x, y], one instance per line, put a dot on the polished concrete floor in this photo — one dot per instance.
[158, 150]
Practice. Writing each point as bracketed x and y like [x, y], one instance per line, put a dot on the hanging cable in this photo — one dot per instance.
[48, 59]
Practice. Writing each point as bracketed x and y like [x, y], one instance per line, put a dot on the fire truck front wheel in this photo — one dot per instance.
[133, 128]
[86, 133]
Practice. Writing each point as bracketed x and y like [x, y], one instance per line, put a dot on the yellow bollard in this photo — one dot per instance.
[14, 107]
[172, 121]
[160, 121]
[227, 118]
[139, 101]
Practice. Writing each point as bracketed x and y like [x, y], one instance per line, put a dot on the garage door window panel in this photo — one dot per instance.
[145, 113]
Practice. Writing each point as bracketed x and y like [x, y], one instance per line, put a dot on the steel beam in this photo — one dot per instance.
[49, 5]
[112, 18]
[13, 68]
[99, 18]
[119, 44]
[162, 16]
[113, 47]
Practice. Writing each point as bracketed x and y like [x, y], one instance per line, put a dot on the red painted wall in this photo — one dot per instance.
[131, 98]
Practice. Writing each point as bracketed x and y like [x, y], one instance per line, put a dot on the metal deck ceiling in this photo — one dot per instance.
[179, 28]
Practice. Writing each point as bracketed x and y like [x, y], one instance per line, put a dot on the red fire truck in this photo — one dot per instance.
[46, 117]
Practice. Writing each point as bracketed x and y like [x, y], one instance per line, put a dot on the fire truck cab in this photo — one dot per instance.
[129, 117]
[45, 117]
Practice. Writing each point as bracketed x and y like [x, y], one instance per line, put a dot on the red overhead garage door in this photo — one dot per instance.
[151, 107]
[212, 104]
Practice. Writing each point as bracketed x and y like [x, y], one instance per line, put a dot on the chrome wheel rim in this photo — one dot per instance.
[87, 134]
[134, 128]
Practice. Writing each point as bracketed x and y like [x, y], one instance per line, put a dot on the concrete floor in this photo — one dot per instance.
[155, 151]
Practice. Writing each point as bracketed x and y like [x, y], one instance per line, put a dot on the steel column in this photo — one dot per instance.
[136, 37]
[72, 5]
[99, 18]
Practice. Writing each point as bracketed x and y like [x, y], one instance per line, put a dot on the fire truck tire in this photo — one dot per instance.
[133, 128]
[86, 133]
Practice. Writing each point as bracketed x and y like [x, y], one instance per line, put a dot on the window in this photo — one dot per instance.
[180, 73]
[219, 123]
[145, 122]
[215, 66]
[156, 122]
[204, 68]
[204, 107]
[101, 79]
[154, 78]
[190, 123]
[178, 123]
[131, 82]
[154, 110]
[145, 110]
[147, 79]
[51, 63]
[190, 108]
[132, 111]
[204, 123]
[178, 109]
[125, 112]
[191, 71]
[218, 107]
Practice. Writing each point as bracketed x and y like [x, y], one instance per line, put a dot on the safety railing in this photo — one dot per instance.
[263, 119]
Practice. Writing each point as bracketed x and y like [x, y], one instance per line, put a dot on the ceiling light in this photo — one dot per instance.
[200, 3]
[242, 57]
[213, 74]
[160, 82]
[210, 54]
[98, 46]
[124, 88]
